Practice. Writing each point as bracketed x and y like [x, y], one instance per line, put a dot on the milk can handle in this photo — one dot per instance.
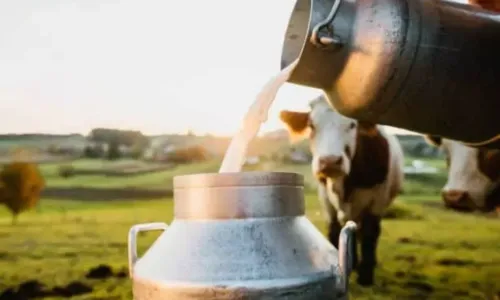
[132, 240]
[346, 250]
[329, 40]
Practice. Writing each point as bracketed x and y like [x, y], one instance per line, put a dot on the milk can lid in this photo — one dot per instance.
[238, 195]
[238, 179]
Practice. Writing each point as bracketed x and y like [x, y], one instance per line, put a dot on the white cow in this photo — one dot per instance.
[359, 168]
[473, 176]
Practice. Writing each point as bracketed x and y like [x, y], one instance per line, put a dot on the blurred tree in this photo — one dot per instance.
[20, 187]
[122, 137]
[66, 171]
[114, 151]
[188, 155]
[137, 151]
[129, 138]
[93, 151]
[53, 149]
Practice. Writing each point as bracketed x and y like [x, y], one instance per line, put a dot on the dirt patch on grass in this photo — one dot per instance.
[100, 272]
[32, 289]
[456, 262]
[104, 194]
[35, 289]
[73, 289]
[104, 271]
[420, 286]
[407, 240]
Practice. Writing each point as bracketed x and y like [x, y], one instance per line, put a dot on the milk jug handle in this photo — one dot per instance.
[346, 249]
[330, 40]
[132, 240]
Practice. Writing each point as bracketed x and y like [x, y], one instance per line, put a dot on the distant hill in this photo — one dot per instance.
[35, 136]
[40, 140]
[267, 144]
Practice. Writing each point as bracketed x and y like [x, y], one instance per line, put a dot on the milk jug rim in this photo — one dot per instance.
[251, 178]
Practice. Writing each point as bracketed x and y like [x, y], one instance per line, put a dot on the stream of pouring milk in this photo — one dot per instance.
[255, 116]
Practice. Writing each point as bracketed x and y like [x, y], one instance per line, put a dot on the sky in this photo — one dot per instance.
[151, 65]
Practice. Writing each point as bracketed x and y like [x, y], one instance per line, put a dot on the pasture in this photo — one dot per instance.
[425, 252]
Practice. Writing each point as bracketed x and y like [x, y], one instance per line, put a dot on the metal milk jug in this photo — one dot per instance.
[430, 66]
[240, 236]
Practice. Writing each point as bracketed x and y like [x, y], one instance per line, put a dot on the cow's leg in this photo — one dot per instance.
[334, 232]
[370, 232]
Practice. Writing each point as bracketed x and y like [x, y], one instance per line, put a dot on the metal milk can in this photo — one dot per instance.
[430, 66]
[240, 236]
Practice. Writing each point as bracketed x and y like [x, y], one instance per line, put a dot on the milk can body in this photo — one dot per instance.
[240, 236]
[424, 65]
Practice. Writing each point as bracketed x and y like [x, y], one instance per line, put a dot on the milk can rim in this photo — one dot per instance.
[242, 179]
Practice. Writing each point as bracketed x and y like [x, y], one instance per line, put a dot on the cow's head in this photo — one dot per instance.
[473, 175]
[332, 137]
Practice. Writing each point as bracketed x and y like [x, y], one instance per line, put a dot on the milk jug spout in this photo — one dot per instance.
[422, 65]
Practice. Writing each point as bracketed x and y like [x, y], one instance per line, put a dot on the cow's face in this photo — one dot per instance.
[473, 174]
[332, 137]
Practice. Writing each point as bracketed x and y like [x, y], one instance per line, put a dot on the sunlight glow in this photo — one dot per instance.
[153, 65]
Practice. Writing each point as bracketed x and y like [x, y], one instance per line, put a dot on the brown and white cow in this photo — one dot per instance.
[359, 168]
[473, 176]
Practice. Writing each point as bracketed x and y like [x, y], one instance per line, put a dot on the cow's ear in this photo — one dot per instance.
[297, 123]
[493, 5]
[433, 140]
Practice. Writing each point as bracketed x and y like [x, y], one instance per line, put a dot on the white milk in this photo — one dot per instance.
[256, 115]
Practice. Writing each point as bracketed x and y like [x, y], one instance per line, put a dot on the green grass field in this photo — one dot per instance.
[425, 251]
